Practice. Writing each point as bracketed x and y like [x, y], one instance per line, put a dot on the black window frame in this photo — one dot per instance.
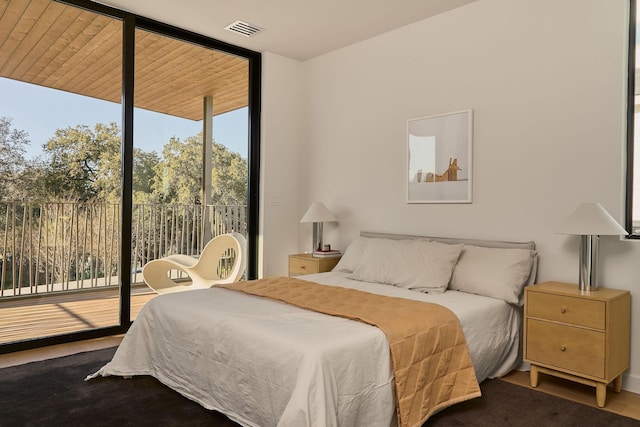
[630, 149]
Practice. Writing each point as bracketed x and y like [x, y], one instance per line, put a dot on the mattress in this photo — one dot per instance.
[264, 362]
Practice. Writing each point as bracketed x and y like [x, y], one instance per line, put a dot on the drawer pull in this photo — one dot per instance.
[563, 348]
[303, 267]
[563, 310]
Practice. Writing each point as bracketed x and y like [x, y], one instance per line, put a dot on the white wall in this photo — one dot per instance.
[282, 174]
[546, 81]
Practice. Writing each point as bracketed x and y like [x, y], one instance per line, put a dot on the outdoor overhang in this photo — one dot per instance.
[62, 47]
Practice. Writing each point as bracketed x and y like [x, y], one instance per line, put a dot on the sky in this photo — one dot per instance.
[40, 111]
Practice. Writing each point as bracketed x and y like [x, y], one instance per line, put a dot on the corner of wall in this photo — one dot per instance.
[631, 383]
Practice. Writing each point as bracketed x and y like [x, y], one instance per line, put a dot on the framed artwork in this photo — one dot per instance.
[439, 158]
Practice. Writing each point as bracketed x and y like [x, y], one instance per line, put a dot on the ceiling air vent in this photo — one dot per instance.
[244, 28]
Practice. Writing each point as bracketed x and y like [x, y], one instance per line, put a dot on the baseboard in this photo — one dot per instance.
[631, 383]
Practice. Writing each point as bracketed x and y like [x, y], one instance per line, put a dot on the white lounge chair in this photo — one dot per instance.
[203, 271]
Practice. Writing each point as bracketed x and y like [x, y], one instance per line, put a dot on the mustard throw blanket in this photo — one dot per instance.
[431, 362]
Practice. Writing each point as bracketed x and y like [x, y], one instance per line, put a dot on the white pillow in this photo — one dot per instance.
[352, 255]
[416, 264]
[493, 272]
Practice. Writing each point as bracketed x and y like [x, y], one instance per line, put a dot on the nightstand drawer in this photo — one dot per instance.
[578, 350]
[303, 266]
[300, 264]
[575, 311]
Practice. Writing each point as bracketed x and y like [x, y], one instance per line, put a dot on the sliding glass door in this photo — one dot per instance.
[60, 159]
[190, 176]
[122, 140]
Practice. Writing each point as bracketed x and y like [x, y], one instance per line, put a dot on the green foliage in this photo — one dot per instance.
[179, 173]
[83, 164]
[229, 177]
[12, 149]
[144, 176]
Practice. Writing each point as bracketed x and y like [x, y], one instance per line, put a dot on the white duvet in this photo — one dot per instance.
[266, 363]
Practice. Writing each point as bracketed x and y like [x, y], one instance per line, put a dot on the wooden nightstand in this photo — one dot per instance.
[580, 337]
[307, 264]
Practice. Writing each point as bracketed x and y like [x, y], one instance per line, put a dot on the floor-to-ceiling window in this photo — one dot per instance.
[61, 145]
[190, 147]
[121, 140]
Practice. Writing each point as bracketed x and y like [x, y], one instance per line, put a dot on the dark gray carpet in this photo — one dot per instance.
[53, 393]
[505, 404]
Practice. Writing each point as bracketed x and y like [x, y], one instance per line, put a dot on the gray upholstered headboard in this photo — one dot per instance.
[477, 242]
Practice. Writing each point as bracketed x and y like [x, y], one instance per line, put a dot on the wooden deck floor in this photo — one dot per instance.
[47, 315]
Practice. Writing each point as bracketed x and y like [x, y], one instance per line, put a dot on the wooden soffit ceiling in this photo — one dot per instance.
[62, 47]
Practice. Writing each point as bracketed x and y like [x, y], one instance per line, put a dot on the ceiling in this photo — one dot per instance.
[298, 29]
[70, 49]
[66, 48]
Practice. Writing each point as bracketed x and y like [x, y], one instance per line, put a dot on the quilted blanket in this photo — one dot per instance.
[431, 362]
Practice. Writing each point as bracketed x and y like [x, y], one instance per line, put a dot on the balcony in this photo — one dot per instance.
[54, 252]
[60, 262]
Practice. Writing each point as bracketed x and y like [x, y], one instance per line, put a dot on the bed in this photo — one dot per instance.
[263, 362]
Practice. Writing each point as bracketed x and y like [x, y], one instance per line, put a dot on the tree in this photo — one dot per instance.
[83, 163]
[13, 144]
[229, 177]
[179, 173]
[144, 175]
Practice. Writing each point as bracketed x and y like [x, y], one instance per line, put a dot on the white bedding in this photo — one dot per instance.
[266, 363]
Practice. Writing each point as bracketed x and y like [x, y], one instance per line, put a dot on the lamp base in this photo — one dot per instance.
[317, 236]
[588, 272]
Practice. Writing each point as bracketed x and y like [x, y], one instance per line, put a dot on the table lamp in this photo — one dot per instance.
[590, 221]
[318, 214]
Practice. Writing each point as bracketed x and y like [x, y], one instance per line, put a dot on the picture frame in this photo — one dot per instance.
[440, 157]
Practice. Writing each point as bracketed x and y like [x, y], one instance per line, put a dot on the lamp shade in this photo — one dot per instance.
[591, 219]
[318, 212]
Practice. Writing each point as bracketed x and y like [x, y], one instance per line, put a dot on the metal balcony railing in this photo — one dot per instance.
[50, 247]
